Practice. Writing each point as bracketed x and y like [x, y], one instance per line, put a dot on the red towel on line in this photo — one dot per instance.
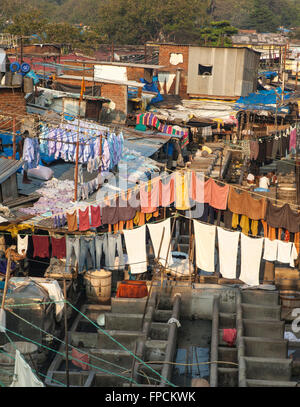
[229, 336]
[58, 247]
[84, 221]
[41, 246]
[95, 216]
[81, 356]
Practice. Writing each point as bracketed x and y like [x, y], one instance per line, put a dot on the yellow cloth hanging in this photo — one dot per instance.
[254, 227]
[244, 224]
[235, 220]
[13, 229]
[182, 191]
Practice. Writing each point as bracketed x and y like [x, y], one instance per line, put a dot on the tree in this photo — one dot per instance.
[261, 17]
[218, 33]
[132, 22]
[28, 23]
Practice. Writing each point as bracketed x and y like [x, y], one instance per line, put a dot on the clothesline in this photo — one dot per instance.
[157, 179]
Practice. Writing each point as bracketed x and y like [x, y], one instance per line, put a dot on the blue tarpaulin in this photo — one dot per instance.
[152, 87]
[269, 74]
[262, 100]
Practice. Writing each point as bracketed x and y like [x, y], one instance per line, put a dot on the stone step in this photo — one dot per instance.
[261, 312]
[227, 320]
[265, 347]
[159, 330]
[155, 350]
[162, 315]
[227, 354]
[268, 368]
[123, 322]
[263, 329]
[126, 338]
[128, 305]
[228, 377]
[269, 383]
[260, 297]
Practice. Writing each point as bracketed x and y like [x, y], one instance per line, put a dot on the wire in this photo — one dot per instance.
[122, 346]
[63, 342]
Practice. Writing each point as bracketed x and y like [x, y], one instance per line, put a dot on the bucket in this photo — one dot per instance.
[7, 362]
[98, 285]
[290, 299]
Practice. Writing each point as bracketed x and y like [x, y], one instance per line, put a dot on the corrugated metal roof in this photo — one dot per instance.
[8, 168]
[147, 146]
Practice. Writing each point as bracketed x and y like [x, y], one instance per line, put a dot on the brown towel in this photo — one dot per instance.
[72, 222]
[244, 204]
[283, 217]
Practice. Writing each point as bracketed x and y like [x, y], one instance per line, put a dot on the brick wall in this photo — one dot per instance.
[12, 103]
[164, 59]
[135, 73]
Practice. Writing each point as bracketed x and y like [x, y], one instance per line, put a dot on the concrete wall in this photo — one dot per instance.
[197, 302]
[233, 72]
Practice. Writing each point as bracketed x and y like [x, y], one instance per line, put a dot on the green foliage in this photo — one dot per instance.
[218, 33]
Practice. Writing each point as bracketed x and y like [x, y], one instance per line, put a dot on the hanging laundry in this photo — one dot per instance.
[23, 375]
[135, 241]
[84, 220]
[228, 251]
[182, 201]
[251, 251]
[72, 252]
[95, 216]
[58, 247]
[216, 195]
[110, 212]
[270, 251]
[41, 246]
[22, 244]
[149, 196]
[282, 217]
[244, 224]
[197, 188]
[254, 227]
[167, 191]
[205, 236]
[244, 204]
[287, 253]
[31, 153]
[72, 221]
[156, 233]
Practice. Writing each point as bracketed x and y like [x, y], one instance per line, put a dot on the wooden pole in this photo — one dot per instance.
[77, 156]
[66, 335]
[14, 138]
[112, 53]
[7, 276]
[297, 71]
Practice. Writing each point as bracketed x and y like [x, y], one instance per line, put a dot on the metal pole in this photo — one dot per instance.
[14, 138]
[66, 335]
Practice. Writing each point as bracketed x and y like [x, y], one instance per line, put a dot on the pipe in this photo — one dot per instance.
[214, 342]
[172, 340]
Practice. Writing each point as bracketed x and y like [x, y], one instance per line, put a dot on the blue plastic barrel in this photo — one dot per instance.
[25, 68]
[15, 66]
